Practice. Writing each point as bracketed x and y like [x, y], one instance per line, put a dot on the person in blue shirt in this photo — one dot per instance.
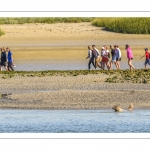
[10, 59]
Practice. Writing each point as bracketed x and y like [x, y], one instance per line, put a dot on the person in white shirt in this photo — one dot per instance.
[105, 58]
[91, 58]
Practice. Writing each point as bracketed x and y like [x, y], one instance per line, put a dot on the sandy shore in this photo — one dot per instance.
[79, 92]
[50, 41]
[68, 41]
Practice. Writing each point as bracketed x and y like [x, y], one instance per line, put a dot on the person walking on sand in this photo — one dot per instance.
[91, 58]
[118, 59]
[129, 56]
[115, 55]
[102, 51]
[147, 57]
[96, 55]
[3, 62]
[105, 58]
[10, 60]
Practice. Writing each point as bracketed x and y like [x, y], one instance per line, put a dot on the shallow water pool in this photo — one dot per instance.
[66, 65]
[74, 121]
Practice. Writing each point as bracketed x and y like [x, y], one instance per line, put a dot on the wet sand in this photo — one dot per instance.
[77, 92]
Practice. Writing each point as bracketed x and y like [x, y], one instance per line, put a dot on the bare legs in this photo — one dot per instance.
[111, 63]
[118, 64]
[108, 66]
[130, 64]
[4, 67]
[103, 65]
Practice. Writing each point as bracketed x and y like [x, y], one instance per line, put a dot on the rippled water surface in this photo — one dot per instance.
[74, 121]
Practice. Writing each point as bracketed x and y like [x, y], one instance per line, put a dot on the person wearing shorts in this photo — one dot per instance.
[3, 62]
[129, 56]
[147, 59]
[105, 58]
[114, 53]
[118, 59]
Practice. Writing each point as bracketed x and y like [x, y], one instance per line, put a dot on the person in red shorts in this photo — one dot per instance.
[105, 58]
[147, 56]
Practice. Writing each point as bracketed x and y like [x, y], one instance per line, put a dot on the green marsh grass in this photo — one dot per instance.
[124, 25]
[129, 25]
[2, 32]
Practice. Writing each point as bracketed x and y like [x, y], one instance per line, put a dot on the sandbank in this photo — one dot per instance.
[71, 92]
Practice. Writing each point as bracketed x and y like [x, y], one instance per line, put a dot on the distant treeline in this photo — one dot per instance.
[127, 25]
[124, 25]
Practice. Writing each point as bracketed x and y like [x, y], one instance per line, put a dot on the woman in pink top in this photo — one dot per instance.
[129, 56]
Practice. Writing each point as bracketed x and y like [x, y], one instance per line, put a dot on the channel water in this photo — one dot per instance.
[74, 121]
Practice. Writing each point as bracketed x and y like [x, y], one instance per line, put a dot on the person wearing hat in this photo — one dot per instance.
[147, 57]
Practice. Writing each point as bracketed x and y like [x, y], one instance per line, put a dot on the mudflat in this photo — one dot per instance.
[71, 92]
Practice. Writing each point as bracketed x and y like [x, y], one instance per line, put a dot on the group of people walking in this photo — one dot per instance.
[106, 58]
[6, 59]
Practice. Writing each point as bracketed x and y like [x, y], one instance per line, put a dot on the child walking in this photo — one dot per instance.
[147, 60]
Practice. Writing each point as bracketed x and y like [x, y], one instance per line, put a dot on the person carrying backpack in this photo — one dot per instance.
[147, 57]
